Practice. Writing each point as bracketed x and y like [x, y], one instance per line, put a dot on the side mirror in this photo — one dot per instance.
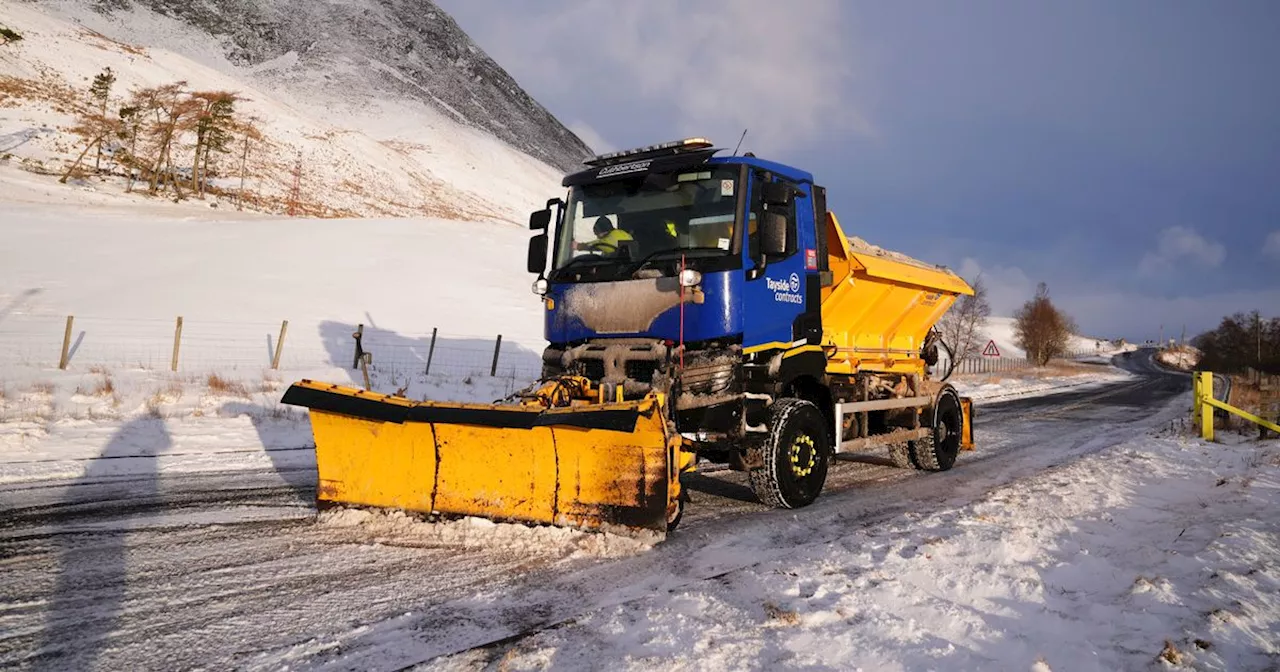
[538, 254]
[776, 193]
[539, 220]
[775, 236]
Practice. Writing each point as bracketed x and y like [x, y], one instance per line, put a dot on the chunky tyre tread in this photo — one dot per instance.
[765, 479]
[931, 455]
[900, 455]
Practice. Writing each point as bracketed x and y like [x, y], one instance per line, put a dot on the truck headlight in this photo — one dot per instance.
[690, 278]
[540, 286]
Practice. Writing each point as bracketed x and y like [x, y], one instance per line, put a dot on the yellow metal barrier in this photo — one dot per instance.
[1202, 389]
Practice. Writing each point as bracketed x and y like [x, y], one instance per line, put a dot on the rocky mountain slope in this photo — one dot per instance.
[379, 49]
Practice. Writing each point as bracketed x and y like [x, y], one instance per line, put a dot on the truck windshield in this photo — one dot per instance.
[623, 222]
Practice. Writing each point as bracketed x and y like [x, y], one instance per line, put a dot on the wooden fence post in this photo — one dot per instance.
[431, 351]
[177, 340]
[66, 344]
[275, 361]
[493, 370]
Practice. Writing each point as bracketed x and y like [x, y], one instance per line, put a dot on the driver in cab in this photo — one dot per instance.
[608, 238]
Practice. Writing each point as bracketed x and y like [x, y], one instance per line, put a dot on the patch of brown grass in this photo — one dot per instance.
[99, 369]
[784, 616]
[49, 88]
[105, 387]
[166, 395]
[42, 387]
[219, 385]
[107, 44]
[1170, 653]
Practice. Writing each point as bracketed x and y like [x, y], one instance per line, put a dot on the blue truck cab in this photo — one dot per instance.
[669, 268]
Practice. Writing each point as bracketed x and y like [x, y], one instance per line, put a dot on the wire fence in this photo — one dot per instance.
[200, 345]
[986, 365]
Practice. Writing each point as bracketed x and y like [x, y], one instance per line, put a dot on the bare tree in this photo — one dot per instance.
[249, 133]
[94, 128]
[171, 112]
[1041, 329]
[963, 326]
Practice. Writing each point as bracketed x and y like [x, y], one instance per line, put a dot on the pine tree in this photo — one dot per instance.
[130, 124]
[213, 132]
[100, 91]
[94, 125]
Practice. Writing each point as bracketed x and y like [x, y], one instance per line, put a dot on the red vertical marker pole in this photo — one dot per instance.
[681, 279]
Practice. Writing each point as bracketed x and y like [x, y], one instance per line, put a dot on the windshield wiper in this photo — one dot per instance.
[588, 260]
[676, 253]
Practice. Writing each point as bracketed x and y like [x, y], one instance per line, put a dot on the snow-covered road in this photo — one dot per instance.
[235, 570]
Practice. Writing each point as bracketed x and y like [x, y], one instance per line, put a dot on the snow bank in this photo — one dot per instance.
[1001, 330]
[1157, 553]
[1180, 358]
[469, 533]
[990, 388]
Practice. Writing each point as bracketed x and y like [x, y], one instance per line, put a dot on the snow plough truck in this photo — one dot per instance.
[698, 309]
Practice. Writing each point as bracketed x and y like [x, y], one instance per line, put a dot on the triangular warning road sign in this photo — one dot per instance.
[991, 350]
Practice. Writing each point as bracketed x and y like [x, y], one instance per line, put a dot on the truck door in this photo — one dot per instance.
[776, 302]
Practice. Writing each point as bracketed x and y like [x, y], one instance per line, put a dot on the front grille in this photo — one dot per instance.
[592, 368]
[710, 378]
[641, 370]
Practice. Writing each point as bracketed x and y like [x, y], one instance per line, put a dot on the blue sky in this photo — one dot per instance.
[1126, 153]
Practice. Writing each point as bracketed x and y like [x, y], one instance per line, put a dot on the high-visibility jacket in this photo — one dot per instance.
[609, 242]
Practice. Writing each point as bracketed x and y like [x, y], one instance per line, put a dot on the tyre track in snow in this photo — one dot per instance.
[261, 594]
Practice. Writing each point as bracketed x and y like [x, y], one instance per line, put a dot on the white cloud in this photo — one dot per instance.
[1271, 247]
[782, 71]
[1008, 287]
[1139, 316]
[1179, 245]
[589, 135]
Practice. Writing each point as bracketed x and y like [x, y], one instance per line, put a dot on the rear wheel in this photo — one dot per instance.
[793, 460]
[939, 452]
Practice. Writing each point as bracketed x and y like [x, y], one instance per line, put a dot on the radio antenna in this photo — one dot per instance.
[744, 135]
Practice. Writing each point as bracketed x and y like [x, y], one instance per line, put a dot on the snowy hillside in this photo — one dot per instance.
[1001, 330]
[356, 154]
[356, 57]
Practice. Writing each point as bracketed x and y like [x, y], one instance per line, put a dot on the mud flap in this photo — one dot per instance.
[603, 466]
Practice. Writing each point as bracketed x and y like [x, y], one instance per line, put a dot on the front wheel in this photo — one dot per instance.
[792, 463]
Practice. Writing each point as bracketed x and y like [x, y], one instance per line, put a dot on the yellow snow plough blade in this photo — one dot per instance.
[584, 464]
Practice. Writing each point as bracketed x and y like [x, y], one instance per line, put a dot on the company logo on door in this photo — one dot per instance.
[785, 291]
